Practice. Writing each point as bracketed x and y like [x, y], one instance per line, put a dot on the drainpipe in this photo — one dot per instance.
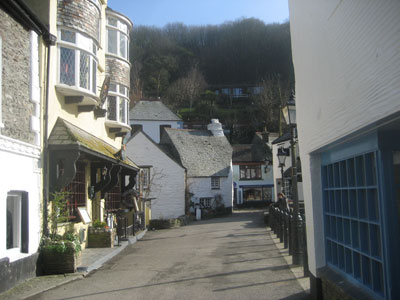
[50, 40]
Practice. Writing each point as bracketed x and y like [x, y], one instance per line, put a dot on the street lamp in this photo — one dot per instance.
[282, 154]
[289, 113]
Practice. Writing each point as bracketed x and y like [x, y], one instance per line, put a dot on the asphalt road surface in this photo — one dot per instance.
[223, 258]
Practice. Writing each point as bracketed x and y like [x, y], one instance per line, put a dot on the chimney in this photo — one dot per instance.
[215, 127]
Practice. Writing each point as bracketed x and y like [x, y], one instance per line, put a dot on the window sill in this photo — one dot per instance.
[88, 98]
[116, 124]
[15, 254]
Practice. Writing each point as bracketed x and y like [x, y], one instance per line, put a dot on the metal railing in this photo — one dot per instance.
[280, 222]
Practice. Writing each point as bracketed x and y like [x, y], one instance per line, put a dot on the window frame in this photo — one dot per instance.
[246, 170]
[22, 222]
[208, 201]
[79, 47]
[215, 183]
[120, 33]
[119, 98]
[76, 191]
[353, 223]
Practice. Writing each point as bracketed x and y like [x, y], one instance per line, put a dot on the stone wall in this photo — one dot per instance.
[118, 70]
[12, 273]
[16, 105]
[81, 15]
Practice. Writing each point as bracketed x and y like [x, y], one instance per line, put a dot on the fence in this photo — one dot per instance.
[280, 222]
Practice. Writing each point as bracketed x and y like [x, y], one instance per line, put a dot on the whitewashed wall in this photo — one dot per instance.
[201, 187]
[20, 172]
[168, 186]
[347, 68]
[267, 178]
[152, 128]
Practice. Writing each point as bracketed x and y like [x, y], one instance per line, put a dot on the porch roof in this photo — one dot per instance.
[66, 135]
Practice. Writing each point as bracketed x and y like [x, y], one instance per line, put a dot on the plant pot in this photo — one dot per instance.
[54, 262]
[101, 237]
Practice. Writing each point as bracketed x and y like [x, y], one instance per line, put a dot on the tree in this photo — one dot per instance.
[186, 90]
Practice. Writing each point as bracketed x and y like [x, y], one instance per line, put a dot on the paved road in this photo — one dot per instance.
[225, 258]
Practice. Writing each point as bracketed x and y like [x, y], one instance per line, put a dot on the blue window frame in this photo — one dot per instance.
[353, 226]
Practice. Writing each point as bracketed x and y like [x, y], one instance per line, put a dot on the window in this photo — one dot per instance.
[353, 233]
[250, 172]
[117, 103]
[17, 221]
[117, 37]
[113, 199]
[78, 61]
[215, 181]
[206, 202]
[76, 190]
[146, 178]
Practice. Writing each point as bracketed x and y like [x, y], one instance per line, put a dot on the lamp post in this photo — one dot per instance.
[282, 154]
[289, 113]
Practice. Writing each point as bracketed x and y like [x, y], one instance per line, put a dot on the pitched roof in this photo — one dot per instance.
[285, 137]
[201, 153]
[250, 153]
[152, 110]
[163, 148]
[67, 134]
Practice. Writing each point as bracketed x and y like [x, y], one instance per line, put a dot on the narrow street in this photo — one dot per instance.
[224, 258]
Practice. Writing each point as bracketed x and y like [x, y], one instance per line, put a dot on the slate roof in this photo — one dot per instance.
[67, 134]
[201, 153]
[163, 148]
[250, 153]
[152, 111]
[282, 138]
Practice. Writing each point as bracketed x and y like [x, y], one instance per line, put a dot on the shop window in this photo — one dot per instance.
[353, 230]
[113, 199]
[76, 191]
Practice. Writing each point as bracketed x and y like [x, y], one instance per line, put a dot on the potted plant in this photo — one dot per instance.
[100, 235]
[59, 253]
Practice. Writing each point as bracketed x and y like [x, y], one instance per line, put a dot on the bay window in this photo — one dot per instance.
[77, 61]
[117, 103]
[117, 37]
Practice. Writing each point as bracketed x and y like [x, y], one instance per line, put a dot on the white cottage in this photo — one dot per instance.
[207, 156]
[165, 177]
[347, 67]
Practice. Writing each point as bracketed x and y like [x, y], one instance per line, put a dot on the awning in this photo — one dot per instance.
[68, 143]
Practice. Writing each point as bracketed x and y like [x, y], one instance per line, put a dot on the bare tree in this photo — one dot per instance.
[187, 89]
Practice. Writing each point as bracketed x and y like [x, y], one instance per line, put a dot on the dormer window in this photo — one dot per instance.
[117, 37]
[77, 61]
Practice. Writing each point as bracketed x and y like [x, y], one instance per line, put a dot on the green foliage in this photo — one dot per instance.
[98, 224]
[69, 242]
[59, 213]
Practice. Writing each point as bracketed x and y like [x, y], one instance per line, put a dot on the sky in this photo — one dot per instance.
[200, 12]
